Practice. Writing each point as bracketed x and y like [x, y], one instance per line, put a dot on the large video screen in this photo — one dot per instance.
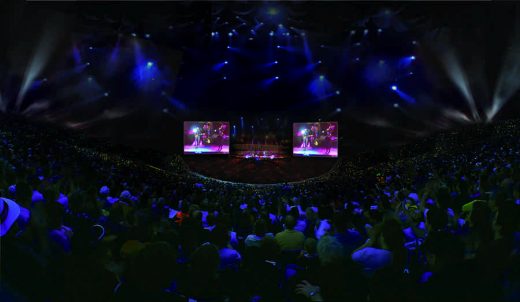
[206, 137]
[315, 139]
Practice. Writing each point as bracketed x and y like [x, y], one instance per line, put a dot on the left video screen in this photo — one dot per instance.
[206, 137]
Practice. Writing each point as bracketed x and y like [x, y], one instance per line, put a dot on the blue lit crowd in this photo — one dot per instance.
[436, 220]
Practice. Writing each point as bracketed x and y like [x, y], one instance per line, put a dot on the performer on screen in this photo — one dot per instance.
[305, 139]
[315, 134]
[206, 133]
[329, 137]
[221, 136]
[198, 137]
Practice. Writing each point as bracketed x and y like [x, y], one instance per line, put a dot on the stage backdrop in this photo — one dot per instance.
[315, 139]
[206, 137]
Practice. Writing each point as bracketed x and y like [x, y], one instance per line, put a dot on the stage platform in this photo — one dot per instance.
[257, 171]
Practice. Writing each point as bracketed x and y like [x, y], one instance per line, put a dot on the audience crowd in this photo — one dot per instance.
[437, 220]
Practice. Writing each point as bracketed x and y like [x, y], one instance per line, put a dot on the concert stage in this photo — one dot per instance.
[249, 170]
[205, 149]
[315, 152]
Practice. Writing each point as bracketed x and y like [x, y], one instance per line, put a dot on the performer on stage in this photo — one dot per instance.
[329, 138]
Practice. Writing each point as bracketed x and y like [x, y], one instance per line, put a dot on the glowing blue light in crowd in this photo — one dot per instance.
[147, 36]
[278, 46]
[228, 47]
[365, 32]
[338, 92]
[134, 35]
[225, 62]
[394, 88]
[87, 64]
[91, 48]
[338, 109]
[396, 105]
[224, 78]
[230, 34]
[275, 62]
[379, 30]
[271, 33]
[106, 94]
[322, 77]
[149, 64]
[412, 58]
[276, 77]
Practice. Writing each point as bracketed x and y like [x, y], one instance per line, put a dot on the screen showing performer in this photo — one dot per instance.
[315, 139]
[206, 137]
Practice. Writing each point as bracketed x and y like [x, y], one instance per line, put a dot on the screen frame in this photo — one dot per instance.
[320, 155]
[206, 153]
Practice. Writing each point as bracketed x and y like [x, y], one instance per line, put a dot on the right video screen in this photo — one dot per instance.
[315, 139]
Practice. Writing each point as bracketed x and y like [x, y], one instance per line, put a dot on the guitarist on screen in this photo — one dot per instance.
[221, 136]
[329, 137]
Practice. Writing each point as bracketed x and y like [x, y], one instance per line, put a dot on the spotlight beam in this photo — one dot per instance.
[36, 64]
[508, 82]
[459, 78]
